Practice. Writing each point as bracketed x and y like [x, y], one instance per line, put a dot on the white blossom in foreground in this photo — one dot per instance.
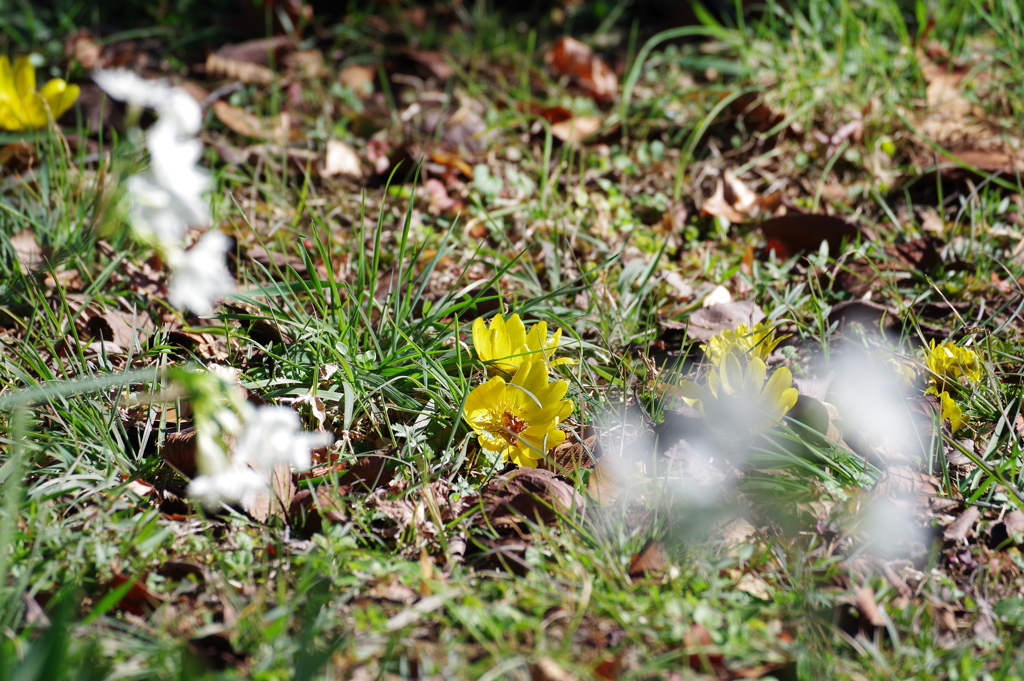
[167, 198]
[200, 274]
[236, 483]
[270, 436]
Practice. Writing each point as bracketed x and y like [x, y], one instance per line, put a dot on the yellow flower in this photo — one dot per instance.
[900, 369]
[505, 345]
[738, 396]
[519, 419]
[742, 342]
[951, 412]
[949, 362]
[21, 107]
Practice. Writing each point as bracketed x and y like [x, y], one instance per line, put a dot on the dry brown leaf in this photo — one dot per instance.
[138, 600]
[306, 63]
[546, 669]
[279, 130]
[179, 451]
[27, 250]
[795, 233]
[277, 500]
[717, 205]
[958, 530]
[569, 57]
[530, 494]
[603, 485]
[702, 651]
[128, 329]
[248, 61]
[714, 319]
[868, 607]
[576, 129]
[433, 61]
[649, 560]
[359, 77]
[81, 46]
[732, 199]
[341, 159]
[17, 157]
[440, 202]
[453, 161]
[205, 345]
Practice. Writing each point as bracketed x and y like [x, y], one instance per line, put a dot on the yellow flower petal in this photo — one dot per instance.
[24, 76]
[519, 419]
[21, 106]
[59, 96]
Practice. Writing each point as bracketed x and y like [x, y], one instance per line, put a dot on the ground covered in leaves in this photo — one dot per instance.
[845, 173]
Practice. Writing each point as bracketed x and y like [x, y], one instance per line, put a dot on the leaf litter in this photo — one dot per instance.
[469, 172]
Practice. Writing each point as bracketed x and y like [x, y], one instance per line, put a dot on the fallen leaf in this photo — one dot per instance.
[546, 669]
[138, 600]
[359, 77]
[650, 559]
[712, 320]
[703, 654]
[552, 114]
[81, 46]
[275, 501]
[439, 201]
[920, 255]
[27, 250]
[530, 494]
[443, 158]
[141, 488]
[604, 483]
[795, 233]
[958, 530]
[341, 160]
[17, 157]
[248, 61]
[433, 61]
[868, 607]
[305, 63]
[179, 451]
[130, 330]
[279, 130]
[569, 57]
[719, 296]
[576, 129]
[732, 199]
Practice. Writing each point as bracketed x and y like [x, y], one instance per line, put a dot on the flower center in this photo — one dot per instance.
[512, 425]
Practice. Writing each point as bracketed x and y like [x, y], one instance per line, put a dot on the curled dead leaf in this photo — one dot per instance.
[868, 606]
[649, 560]
[714, 319]
[27, 250]
[359, 77]
[569, 57]
[248, 61]
[796, 233]
[576, 129]
[341, 159]
[530, 494]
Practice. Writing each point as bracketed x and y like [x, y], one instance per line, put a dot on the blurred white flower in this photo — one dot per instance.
[169, 197]
[174, 155]
[156, 216]
[273, 436]
[200, 274]
[236, 483]
[270, 436]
